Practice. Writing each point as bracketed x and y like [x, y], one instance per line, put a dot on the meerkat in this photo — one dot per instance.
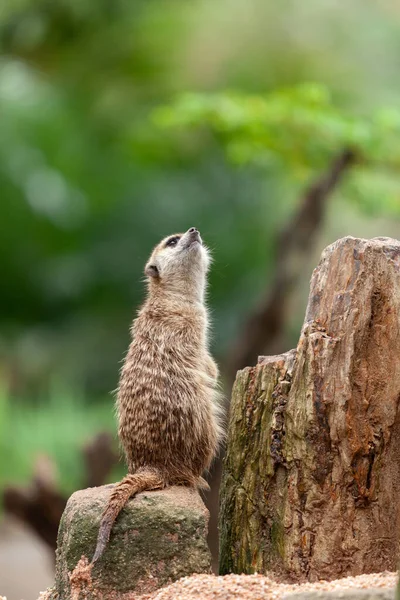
[168, 408]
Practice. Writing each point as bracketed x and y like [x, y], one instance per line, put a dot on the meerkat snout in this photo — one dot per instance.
[194, 234]
[190, 237]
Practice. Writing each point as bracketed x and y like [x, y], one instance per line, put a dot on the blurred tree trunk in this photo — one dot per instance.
[40, 505]
[312, 472]
[264, 328]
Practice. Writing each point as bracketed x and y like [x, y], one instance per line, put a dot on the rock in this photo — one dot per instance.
[312, 468]
[159, 537]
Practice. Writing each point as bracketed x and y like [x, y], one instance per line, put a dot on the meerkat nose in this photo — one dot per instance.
[193, 230]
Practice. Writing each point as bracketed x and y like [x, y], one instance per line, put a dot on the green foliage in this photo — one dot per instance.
[90, 181]
[57, 427]
[297, 132]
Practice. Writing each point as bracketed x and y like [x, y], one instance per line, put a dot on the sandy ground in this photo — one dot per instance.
[25, 562]
[257, 587]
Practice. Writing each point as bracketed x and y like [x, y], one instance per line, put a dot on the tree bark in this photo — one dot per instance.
[312, 472]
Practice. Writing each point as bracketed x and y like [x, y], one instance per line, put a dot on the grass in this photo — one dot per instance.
[58, 427]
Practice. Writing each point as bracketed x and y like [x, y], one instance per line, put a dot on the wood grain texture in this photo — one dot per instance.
[312, 471]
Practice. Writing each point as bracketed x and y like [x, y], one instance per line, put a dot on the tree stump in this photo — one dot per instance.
[159, 537]
[312, 472]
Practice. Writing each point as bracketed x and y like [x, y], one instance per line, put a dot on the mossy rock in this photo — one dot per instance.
[159, 537]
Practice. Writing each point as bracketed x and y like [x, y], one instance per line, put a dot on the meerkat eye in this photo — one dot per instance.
[172, 241]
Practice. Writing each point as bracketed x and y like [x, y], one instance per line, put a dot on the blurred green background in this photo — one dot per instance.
[124, 121]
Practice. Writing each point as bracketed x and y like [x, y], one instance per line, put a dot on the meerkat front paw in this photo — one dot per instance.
[211, 368]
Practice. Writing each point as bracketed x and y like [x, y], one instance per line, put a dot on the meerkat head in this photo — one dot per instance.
[179, 263]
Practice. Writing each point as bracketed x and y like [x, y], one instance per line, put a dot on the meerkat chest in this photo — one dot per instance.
[162, 370]
[165, 348]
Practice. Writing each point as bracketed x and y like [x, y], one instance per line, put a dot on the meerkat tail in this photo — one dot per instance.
[130, 485]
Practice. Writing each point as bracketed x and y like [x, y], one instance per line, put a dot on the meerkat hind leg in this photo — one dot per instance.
[202, 484]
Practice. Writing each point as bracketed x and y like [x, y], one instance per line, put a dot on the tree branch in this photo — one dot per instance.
[264, 327]
[40, 504]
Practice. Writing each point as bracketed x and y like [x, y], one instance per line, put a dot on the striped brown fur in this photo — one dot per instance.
[168, 401]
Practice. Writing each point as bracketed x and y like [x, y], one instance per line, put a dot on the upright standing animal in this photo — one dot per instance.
[168, 411]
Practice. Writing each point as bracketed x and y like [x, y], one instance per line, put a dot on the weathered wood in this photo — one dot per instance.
[312, 473]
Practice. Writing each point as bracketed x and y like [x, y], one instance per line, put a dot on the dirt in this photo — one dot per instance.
[22, 552]
[257, 587]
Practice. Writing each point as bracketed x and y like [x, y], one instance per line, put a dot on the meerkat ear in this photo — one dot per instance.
[151, 270]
